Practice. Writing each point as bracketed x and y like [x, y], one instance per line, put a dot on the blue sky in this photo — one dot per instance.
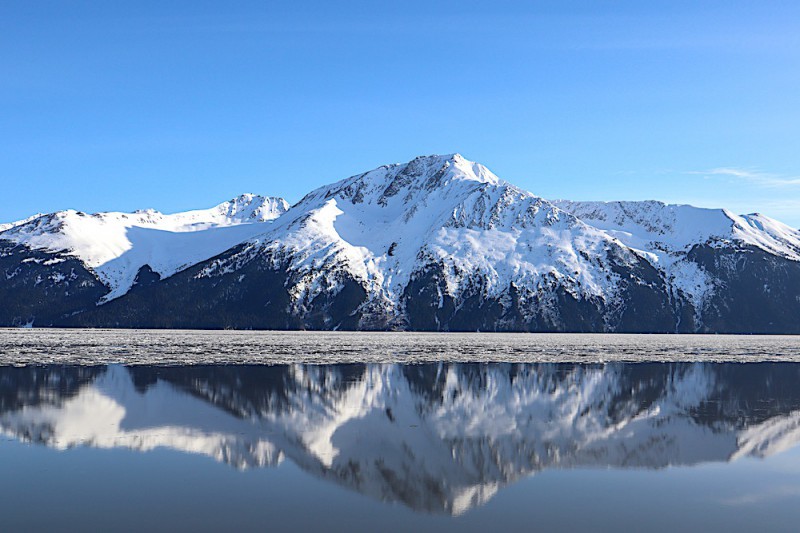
[178, 105]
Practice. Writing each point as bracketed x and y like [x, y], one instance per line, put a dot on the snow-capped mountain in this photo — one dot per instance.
[116, 246]
[666, 234]
[392, 226]
[438, 438]
[438, 243]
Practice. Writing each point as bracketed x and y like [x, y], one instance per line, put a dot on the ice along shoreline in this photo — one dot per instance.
[189, 347]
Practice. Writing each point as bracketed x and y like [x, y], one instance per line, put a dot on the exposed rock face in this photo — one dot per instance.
[755, 290]
[38, 287]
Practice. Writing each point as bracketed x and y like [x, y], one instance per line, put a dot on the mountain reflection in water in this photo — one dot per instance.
[439, 438]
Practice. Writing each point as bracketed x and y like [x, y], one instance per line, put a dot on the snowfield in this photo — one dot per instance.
[117, 245]
[664, 234]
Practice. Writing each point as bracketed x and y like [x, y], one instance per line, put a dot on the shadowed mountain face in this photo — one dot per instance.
[439, 438]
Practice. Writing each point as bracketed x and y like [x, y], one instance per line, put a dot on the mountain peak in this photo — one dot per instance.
[250, 207]
[406, 184]
[458, 166]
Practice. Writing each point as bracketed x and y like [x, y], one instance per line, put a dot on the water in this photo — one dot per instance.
[113, 431]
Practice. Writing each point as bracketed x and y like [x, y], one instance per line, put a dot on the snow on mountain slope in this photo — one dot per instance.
[9, 225]
[387, 225]
[768, 234]
[657, 227]
[665, 233]
[116, 245]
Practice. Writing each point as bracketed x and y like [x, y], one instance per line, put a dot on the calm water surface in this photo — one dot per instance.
[92, 441]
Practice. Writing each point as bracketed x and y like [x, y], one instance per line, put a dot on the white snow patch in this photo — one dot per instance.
[117, 245]
[666, 233]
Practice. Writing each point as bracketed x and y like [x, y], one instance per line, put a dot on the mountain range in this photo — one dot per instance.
[437, 244]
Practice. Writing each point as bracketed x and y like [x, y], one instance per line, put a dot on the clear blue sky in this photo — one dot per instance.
[177, 105]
